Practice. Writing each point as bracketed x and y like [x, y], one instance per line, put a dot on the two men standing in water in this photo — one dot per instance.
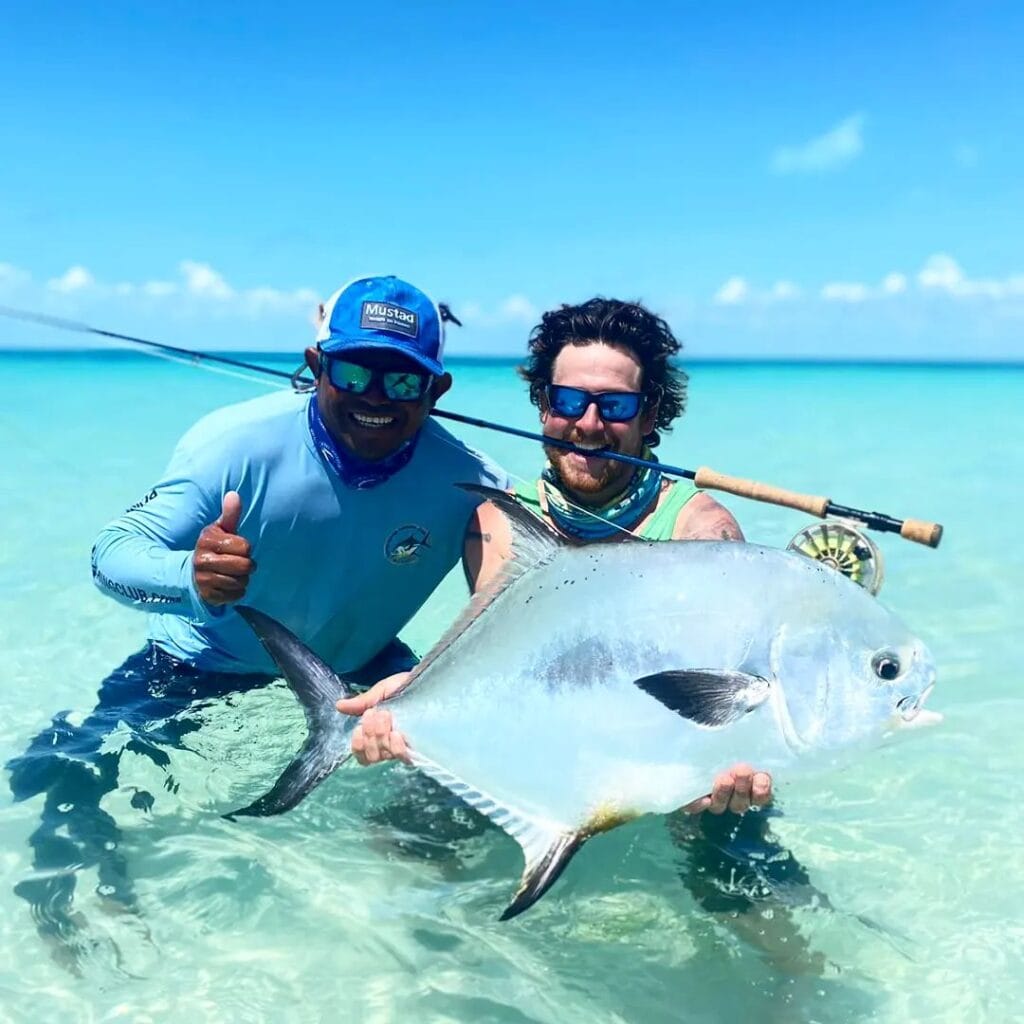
[338, 515]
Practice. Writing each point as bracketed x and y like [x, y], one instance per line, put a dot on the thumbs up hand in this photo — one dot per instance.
[221, 565]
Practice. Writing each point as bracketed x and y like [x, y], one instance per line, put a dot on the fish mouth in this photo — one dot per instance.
[911, 712]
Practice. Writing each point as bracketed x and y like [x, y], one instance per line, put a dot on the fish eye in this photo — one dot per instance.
[886, 665]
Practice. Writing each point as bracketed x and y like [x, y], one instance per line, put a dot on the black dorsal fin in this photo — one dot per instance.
[532, 539]
[533, 544]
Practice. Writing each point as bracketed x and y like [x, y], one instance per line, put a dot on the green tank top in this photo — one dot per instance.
[658, 527]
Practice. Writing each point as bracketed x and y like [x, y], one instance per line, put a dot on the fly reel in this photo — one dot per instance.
[838, 544]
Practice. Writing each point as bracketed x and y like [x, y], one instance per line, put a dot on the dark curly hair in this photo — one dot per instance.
[616, 323]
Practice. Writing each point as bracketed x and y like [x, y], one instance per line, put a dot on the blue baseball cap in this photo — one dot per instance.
[383, 313]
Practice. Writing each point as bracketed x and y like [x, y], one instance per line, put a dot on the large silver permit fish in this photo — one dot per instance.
[589, 685]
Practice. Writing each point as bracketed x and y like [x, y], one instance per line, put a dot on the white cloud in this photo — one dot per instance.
[260, 300]
[202, 279]
[203, 282]
[159, 289]
[845, 291]
[737, 291]
[733, 292]
[942, 273]
[518, 308]
[72, 280]
[836, 147]
[784, 291]
[894, 283]
[198, 281]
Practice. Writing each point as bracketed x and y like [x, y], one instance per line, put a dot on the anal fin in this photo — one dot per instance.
[547, 846]
[544, 870]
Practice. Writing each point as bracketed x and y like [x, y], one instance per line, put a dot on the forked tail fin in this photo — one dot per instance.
[318, 687]
[547, 846]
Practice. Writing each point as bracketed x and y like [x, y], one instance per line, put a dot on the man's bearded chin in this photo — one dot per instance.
[581, 483]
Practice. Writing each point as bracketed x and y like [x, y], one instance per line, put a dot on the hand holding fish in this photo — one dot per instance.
[221, 565]
[375, 739]
[736, 790]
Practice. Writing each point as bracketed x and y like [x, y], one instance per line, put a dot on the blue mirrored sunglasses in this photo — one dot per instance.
[398, 385]
[614, 406]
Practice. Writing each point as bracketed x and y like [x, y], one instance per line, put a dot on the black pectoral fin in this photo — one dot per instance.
[543, 872]
[707, 696]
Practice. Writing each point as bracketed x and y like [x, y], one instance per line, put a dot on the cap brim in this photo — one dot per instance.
[337, 346]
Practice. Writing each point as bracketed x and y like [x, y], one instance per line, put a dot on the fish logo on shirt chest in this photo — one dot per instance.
[404, 545]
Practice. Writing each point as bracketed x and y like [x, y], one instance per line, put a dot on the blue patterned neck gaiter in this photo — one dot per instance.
[351, 470]
[622, 513]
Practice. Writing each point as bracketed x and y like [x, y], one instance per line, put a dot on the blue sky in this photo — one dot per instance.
[777, 180]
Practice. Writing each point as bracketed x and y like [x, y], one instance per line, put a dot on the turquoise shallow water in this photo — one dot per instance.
[331, 913]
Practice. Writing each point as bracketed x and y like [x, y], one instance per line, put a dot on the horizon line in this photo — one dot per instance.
[730, 360]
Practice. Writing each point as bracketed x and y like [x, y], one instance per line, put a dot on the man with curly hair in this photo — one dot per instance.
[602, 376]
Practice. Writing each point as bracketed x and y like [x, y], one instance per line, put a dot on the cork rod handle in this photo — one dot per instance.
[921, 532]
[917, 530]
[715, 481]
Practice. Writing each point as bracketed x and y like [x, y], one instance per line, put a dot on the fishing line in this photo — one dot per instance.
[60, 323]
[196, 364]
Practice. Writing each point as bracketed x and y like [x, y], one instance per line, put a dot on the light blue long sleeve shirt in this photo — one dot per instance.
[344, 569]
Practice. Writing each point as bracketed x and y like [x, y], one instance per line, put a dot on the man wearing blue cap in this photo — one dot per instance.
[335, 512]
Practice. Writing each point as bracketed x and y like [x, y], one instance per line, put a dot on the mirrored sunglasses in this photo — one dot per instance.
[398, 385]
[614, 406]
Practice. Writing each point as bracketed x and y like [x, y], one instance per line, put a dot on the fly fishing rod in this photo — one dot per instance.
[917, 530]
[61, 324]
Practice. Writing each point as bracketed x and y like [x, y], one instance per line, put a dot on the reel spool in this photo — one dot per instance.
[838, 544]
